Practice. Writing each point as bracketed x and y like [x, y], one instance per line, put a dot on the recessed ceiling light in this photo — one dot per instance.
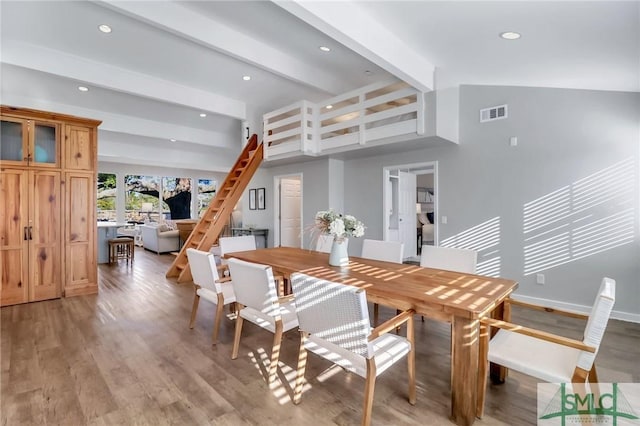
[510, 35]
[104, 28]
[172, 140]
[325, 49]
[246, 77]
[83, 88]
[203, 115]
[329, 106]
[367, 72]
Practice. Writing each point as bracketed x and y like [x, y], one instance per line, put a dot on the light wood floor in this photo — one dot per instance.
[127, 357]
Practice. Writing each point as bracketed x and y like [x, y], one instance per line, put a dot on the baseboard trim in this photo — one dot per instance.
[619, 315]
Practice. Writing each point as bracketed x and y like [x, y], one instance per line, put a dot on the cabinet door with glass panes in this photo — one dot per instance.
[29, 142]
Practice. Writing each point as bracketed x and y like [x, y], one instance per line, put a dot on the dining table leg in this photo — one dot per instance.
[464, 370]
[497, 372]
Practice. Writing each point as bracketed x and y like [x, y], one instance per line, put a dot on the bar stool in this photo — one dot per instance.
[121, 248]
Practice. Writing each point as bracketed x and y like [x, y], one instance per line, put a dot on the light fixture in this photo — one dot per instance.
[510, 35]
[172, 140]
[147, 208]
[246, 77]
[203, 115]
[83, 88]
[325, 49]
[329, 106]
[367, 72]
[104, 28]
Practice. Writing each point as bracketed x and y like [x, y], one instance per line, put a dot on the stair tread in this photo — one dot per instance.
[212, 223]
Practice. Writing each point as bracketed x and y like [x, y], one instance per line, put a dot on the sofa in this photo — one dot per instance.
[160, 238]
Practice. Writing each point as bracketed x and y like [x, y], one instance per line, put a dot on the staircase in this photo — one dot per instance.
[209, 227]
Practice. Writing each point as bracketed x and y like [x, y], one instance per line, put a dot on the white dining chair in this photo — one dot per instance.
[451, 259]
[386, 251]
[245, 243]
[258, 302]
[324, 243]
[208, 285]
[233, 244]
[545, 356]
[346, 338]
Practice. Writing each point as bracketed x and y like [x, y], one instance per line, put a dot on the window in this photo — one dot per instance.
[142, 190]
[176, 195]
[206, 193]
[106, 198]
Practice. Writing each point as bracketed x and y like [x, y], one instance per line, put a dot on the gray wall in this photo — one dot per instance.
[315, 190]
[565, 136]
[572, 143]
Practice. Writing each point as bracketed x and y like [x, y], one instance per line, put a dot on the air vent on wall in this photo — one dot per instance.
[493, 113]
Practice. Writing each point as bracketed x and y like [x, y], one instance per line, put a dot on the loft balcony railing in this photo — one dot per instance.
[372, 115]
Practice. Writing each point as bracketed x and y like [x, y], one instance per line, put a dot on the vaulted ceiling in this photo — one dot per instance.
[165, 63]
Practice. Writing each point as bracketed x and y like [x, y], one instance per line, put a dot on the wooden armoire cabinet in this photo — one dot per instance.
[48, 165]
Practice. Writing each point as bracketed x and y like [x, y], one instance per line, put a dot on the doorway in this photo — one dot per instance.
[288, 214]
[410, 206]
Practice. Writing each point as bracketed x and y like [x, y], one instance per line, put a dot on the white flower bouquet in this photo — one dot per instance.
[332, 223]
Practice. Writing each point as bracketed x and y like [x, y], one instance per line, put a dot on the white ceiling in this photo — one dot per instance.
[166, 62]
[568, 44]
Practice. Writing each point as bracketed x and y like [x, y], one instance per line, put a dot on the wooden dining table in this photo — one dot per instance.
[455, 297]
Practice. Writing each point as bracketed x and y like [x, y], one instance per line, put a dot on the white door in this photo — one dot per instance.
[407, 212]
[290, 213]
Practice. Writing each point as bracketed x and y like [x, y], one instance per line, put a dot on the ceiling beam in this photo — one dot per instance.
[350, 25]
[123, 124]
[121, 148]
[107, 76]
[215, 35]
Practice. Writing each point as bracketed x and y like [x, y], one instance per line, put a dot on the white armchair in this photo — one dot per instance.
[324, 243]
[209, 286]
[451, 259]
[386, 251]
[345, 337]
[545, 356]
[233, 244]
[245, 243]
[258, 302]
[159, 238]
